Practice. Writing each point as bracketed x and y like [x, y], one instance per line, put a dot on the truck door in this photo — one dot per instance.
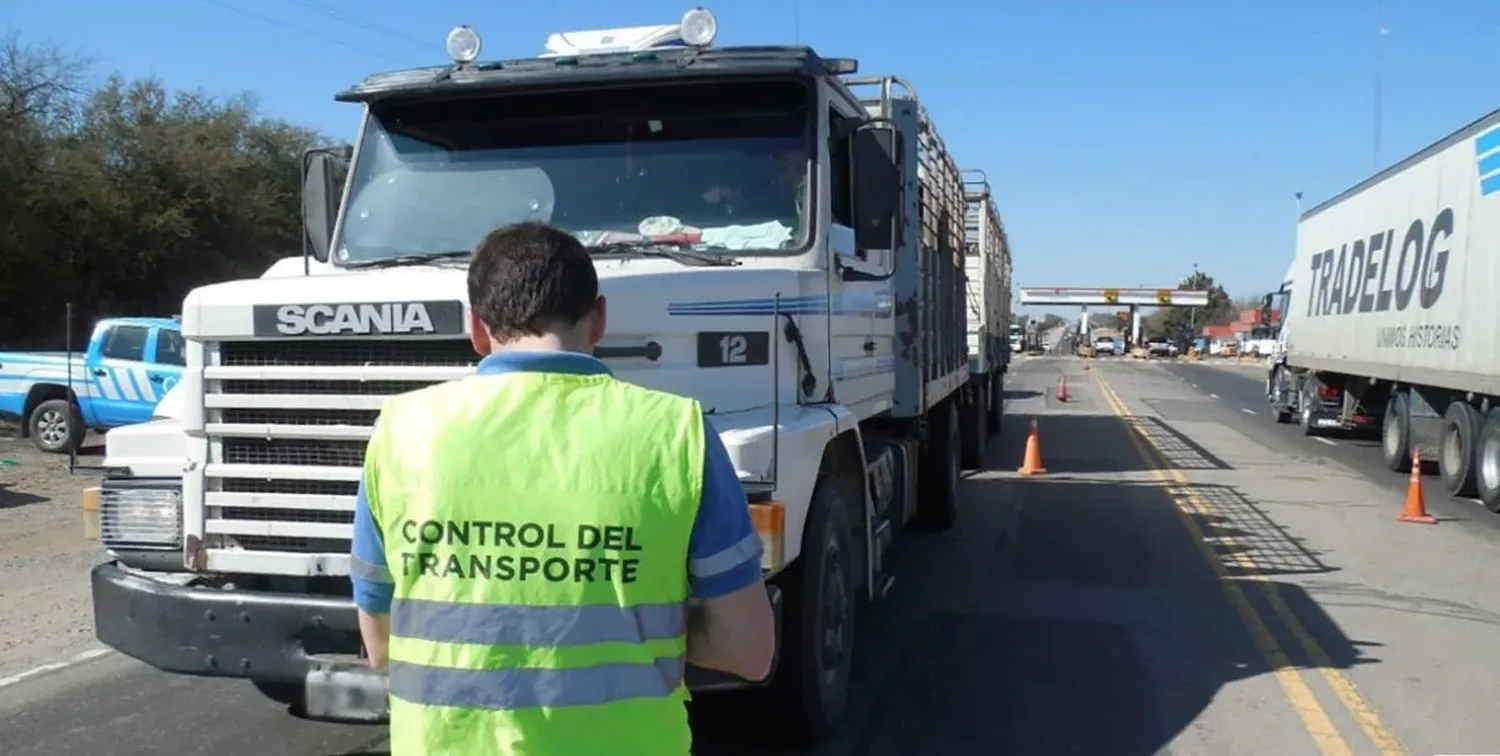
[119, 367]
[168, 356]
[861, 331]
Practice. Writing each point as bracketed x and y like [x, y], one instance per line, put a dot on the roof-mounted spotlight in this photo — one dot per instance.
[463, 45]
[699, 27]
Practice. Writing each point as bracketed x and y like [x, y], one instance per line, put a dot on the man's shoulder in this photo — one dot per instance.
[655, 396]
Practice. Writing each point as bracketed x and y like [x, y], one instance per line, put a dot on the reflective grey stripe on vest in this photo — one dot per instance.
[489, 624]
[529, 688]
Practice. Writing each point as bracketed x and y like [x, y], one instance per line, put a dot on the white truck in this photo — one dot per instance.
[987, 268]
[777, 238]
[1371, 335]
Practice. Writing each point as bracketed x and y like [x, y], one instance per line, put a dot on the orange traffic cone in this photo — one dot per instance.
[1416, 504]
[1032, 464]
[1062, 388]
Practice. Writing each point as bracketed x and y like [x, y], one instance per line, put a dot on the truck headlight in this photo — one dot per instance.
[140, 513]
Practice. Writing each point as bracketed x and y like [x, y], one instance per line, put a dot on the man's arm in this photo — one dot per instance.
[733, 629]
[373, 587]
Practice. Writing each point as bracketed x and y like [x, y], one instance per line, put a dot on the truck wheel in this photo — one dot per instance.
[55, 427]
[1488, 462]
[820, 608]
[1275, 391]
[937, 475]
[1456, 457]
[1395, 434]
[975, 428]
[286, 694]
[995, 407]
[1306, 402]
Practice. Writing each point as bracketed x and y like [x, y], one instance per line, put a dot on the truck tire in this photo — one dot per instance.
[1305, 403]
[1456, 455]
[995, 407]
[1275, 392]
[55, 426]
[1487, 461]
[812, 682]
[938, 471]
[1395, 434]
[975, 418]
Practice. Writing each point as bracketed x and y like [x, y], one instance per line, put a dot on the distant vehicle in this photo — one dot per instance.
[1161, 348]
[1104, 345]
[1017, 338]
[117, 379]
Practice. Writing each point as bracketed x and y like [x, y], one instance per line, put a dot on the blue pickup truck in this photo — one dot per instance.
[128, 366]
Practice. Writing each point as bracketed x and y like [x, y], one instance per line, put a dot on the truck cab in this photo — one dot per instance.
[778, 238]
[128, 365]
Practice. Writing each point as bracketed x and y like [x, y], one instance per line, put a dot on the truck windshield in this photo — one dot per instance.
[722, 166]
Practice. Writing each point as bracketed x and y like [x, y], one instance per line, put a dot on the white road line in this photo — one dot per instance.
[1247, 410]
[1213, 396]
[1328, 441]
[71, 661]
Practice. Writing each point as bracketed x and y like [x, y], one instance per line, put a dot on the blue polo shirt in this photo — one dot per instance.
[724, 552]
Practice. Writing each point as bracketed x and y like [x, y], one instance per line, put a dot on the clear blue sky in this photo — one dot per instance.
[1127, 139]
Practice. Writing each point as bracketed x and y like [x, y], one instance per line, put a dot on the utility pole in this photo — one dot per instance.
[1380, 33]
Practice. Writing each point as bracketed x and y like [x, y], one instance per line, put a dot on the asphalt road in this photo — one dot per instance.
[1190, 579]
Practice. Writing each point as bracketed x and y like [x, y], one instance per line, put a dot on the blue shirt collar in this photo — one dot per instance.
[571, 363]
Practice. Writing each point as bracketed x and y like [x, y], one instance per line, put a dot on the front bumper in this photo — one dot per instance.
[194, 630]
[272, 637]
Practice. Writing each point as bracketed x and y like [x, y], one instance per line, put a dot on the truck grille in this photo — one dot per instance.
[287, 423]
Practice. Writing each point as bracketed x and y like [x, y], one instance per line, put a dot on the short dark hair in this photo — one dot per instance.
[528, 277]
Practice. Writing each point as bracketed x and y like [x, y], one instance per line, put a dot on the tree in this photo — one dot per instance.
[1051, 321]
[123, 199]
[1183, 322]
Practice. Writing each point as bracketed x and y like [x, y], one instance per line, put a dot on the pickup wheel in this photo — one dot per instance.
[938, 471]
[812, 685]
[55, 426]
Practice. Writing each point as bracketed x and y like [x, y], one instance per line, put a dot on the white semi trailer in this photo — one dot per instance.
[777, 238]
[1388, 313]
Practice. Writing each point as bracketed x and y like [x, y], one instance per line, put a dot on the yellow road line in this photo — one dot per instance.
[1314, 719]
[1344, 689]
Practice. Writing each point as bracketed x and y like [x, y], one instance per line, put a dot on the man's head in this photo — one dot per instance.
[532, 286]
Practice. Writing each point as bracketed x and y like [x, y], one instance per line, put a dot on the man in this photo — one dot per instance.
[526, 539]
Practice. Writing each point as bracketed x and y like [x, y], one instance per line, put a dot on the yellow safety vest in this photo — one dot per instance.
[536, 526]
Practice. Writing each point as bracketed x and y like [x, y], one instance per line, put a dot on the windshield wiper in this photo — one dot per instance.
[416, 258]
[677, 254]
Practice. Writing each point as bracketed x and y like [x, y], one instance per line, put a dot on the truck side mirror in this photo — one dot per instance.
[877, 188]
[1265, 309]
[323, 171]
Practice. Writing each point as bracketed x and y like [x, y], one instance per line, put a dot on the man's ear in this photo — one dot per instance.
[597, 324]
[479, 336]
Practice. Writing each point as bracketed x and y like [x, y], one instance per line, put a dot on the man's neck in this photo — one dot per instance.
[547, 342]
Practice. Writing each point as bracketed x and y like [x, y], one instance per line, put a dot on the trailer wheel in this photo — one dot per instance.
[813, 683]
[975, 419]
[55, 426]
[1456, 456]
[1395, 433]
[938, 472]
[995, 407]
[1487, 458]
